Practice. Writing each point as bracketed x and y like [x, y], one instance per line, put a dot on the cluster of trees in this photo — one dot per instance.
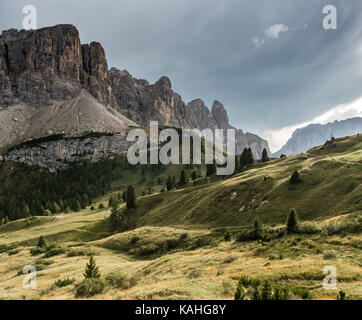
[119, 219]
[26, 191]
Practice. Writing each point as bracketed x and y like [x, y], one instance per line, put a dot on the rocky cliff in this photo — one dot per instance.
[317, 134]
[58, 154]
[50, 83]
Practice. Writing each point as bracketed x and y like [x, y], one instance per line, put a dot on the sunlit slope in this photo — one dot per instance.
[331, 185]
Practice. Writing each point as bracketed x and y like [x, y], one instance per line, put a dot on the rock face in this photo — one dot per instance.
[142, 102]
[317, 134]
[50, 82]
[57, 155]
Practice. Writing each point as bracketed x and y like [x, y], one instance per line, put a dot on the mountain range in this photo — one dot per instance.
[52, 84]
[317, 134]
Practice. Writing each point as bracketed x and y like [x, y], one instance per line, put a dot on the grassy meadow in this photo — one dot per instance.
[186, 243]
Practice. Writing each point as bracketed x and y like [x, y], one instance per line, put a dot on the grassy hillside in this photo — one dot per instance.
[176, 248]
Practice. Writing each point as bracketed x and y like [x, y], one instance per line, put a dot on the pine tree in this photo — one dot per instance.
[76, 207]
[112, 202]
[250, 158]
[169, 183]
[265, 157]
[258, 228]
[293, 222]
[54, 208]
[295, 178]
[91, 269]
[41, 242]
[182, 178]
[194, 175]
[131, 198]
[210, 169]
[115, 219]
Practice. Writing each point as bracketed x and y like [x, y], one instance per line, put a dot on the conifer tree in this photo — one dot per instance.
[210, 169]
[295, 178]
[265, 157]
[91, 269]
[293, 222]
[169, 183]
[194, 175]
[131, 198]
[258, 228]
[182, 178]
[41, 242]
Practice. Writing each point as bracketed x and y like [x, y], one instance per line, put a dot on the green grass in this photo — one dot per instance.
[202, 265]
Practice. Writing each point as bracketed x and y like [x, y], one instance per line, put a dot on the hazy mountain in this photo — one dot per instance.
[317, 134]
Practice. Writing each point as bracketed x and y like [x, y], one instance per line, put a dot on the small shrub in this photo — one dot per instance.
[173, 243]
[76, 252]
[195, 273]
[330, 254]
[55, 251]
[63, 283]
[134, 240]
[227, 236]
[303, 293]
[89, 287]
[149, 249]
[309, 228]
[119, 280]
[13, 252]
[184, 236]
[295, 178]
[342, 296]
[36, 251]
[229, 259]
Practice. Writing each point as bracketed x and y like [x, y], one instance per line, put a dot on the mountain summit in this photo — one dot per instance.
[50, 83]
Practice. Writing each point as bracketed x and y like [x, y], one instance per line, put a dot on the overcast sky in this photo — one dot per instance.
[270, 62]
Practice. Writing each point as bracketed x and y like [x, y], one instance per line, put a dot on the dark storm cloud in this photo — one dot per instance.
[206, 47]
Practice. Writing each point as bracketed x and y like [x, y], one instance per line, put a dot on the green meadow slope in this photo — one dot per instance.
[176, 248]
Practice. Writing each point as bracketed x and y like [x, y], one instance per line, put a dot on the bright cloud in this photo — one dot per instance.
[270, 33]
[273, 31]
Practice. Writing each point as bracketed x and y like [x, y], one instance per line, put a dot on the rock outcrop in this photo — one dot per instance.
[59, 154]
[317, 134]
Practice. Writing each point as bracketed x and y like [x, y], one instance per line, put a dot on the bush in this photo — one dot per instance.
[76, 252]
[173, 243]
[295, 178]
[184, 236]
[63, 283]
[55, 251]
[342, 296]
[330, 254]
[119, 280]
[227, 236]
[89, 287]
[309, 228]
[149, 249]
[303, 293]
[134, 240]
[37, 251]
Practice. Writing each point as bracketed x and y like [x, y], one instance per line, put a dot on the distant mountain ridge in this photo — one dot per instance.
[50, 83]
[316, 134]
